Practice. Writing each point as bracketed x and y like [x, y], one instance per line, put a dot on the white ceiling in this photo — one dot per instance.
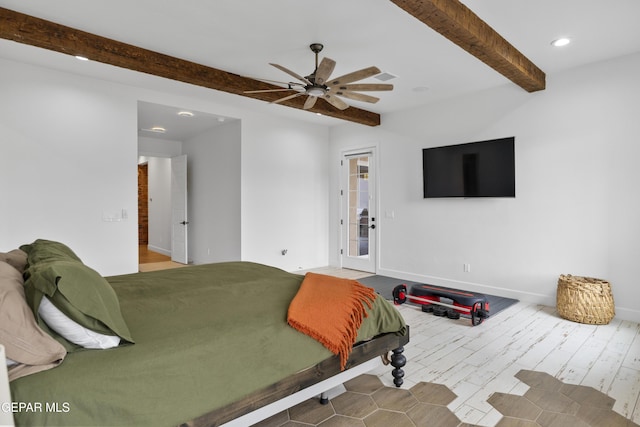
[242, 37]
[176, 127]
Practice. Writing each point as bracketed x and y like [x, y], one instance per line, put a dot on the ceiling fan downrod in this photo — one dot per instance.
[315, 89]
[316, 48]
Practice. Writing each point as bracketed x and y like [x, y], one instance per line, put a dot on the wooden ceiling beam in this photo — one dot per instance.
[459, 24]
[59, 38]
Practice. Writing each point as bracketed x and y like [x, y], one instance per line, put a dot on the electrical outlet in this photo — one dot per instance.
[467, 268]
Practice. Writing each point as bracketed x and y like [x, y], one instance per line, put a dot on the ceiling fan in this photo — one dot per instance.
[319, 84]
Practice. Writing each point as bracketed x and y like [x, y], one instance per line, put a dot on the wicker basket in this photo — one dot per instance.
[585, 300]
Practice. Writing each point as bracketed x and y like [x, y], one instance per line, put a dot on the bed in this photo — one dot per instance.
[204, 345]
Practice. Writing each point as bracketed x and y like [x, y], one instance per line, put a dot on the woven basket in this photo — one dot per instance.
[585, 300]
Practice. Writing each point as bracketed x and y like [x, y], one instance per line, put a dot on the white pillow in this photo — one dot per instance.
[71, 330]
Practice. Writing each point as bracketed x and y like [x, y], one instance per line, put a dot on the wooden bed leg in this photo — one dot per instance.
[323, 398]
[398, 361]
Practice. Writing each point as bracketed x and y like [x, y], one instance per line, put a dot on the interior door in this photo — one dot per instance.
[359, 211]
[179, 221]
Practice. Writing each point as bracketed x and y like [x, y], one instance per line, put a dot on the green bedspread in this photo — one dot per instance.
[205, 337]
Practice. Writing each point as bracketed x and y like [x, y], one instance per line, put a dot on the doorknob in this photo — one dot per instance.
[184, 222]
[372, 226]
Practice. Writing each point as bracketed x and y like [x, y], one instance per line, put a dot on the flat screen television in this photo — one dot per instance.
[474, 169]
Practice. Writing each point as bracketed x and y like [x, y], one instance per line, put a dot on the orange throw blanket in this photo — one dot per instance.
[330, 310]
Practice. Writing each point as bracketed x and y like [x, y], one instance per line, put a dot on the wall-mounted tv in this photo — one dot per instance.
[474, 169]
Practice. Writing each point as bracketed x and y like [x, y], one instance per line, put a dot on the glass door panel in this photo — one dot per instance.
[358, 207]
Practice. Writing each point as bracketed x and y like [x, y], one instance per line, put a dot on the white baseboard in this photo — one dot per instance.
[622, 313]
[629, 314]
[471, 286]
[159, 250]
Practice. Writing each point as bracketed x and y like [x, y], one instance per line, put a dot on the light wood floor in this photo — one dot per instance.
[475, 362]
[152, 261]
[145, 256]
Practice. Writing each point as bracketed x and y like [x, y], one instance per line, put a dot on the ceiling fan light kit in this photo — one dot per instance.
[316, 91]
[318, 84]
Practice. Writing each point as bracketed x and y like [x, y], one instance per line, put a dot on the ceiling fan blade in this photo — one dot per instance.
[355, 76]
[362, 87]
[268, 90]
[358, 96]
[286, 98]
[310, 102]
[324, 70]
[300, 84]
[291, 73]
[335, 101]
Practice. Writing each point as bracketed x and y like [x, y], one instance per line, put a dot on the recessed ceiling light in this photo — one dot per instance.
[158, 129]
[81, 58]
[185, 114]
[563, 41]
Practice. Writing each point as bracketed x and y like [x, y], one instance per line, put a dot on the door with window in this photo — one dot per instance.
[358, 223]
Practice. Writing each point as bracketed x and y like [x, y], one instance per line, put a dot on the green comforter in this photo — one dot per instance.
[205, 337]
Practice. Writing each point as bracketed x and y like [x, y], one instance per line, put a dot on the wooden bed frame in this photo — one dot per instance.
[295, 389]
[311, 382]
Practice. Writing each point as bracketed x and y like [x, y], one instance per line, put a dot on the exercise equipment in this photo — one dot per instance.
[430, 298]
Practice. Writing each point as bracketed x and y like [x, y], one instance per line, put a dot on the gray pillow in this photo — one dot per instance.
[24, 341]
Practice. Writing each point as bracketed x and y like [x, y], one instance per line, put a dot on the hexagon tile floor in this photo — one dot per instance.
[368, 403]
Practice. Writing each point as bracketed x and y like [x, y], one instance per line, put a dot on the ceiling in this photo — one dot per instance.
[243, 37]
[179, 124]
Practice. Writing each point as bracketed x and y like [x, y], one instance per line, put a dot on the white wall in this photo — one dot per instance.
[577, 201]
[214, 209]
[68, 153]
[285, 193]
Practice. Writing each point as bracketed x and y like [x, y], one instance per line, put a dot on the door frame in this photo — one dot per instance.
[371, 265]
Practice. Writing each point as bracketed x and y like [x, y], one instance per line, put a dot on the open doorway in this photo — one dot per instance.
[146, 257]
[154, 210]
[164, 133]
